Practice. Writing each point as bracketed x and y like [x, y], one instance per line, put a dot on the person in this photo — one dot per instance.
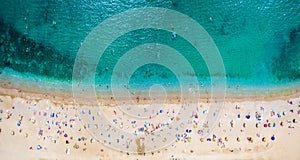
[219, 141]
[231, 123]
[54, 24]
[68, 150]
[174, 35]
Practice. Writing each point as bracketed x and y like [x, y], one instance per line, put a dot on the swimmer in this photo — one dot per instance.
[158, 55]
[174, 35]
[54, 24]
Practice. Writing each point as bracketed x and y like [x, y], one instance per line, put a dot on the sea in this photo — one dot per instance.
[258, 41]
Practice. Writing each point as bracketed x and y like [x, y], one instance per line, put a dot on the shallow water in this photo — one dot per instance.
[259, 42]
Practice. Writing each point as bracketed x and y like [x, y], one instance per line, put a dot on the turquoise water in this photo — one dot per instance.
[258, 41]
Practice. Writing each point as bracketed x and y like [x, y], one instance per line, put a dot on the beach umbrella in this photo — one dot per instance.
[39, 147]
[226, 139]
[238, 139]
[248, 116]
[281, 123]
[214, 136]
[214, 139]
[264, 139]
[250, 139]
[76, 146]
[195, 126]
[273, 138]
[201, 139]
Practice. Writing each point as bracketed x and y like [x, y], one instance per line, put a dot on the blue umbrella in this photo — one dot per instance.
[273, 138]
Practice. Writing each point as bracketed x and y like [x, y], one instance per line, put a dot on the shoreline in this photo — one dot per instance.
[60, 96]
[38, 88]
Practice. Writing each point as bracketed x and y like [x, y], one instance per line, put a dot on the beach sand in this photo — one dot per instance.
[44, 126]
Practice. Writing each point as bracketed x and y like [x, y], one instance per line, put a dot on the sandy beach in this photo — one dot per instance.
[40, 126]
[149, 80]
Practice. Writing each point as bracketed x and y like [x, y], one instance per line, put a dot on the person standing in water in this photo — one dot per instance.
[174, 35]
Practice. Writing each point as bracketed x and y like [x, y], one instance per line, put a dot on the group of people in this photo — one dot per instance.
[59, 123]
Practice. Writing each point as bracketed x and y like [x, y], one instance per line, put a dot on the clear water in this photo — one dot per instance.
[258, 41]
